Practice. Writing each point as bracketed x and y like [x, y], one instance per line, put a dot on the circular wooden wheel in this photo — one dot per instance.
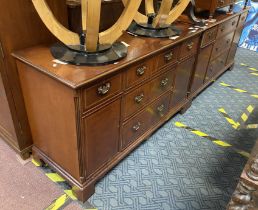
[90, 23]
[164, 16]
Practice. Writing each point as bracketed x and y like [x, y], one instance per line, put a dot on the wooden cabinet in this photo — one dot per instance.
[212, 5]
[84, 120]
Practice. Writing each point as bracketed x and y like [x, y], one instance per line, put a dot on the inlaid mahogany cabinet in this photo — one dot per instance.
[84, 120]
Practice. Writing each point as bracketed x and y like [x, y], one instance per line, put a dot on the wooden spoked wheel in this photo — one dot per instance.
[90, 24]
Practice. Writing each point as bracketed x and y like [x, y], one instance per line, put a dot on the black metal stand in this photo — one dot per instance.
[77, 55]
[148, 31]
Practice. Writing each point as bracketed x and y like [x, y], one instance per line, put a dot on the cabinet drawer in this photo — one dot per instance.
[189, 47]
[163, 83]
[216, 66]
[209, 36]
[101, 91]
[227, 26]
[136, 99]
[138, 125]
[138, 72]
[168, 57]
[242, 19]
[222, 44]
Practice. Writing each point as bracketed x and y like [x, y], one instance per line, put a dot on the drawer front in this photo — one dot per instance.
[222, 44]
[162, 83]
[102, 91]
[138, 125]
[167, 58]
[139, 72]
[228, 26]
[216, 66]
[209, 36]
[189, 47]
[242, 19]
[136, 99]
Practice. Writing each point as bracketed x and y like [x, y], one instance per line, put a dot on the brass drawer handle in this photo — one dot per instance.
[103, 90]
[164, 82]
[222, 28]
[168, 57]
[140, 71]
[228, 41]
[161, 109]
[190, 45]
[137, 126]
[233, 23]
[138, 99]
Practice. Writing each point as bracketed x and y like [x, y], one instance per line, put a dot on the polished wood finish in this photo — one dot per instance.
[20, 27]
[212, 5]
[113, 108]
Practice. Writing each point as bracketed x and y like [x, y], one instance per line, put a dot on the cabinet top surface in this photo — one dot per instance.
[73, 76]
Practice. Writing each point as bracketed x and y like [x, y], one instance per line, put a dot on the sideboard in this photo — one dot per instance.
[84, 120]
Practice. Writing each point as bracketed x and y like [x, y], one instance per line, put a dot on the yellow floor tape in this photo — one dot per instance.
[214, 140]
[239, 90]
[241, 123]
[63, 199]
[248, 67]
[59, 202]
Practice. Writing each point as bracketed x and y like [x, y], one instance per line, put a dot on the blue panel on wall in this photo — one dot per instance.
[249, 37]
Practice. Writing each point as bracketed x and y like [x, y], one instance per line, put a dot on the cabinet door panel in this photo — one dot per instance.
[201, 67]
[183, 73]
[101, 136]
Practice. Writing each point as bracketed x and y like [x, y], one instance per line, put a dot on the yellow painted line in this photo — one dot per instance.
[58, 203]
[55, 177]
[244, 117]
[240, 90]
[245, 154]
[254, 95]
[255, 74]
[253, 69]
[233, 123]
[248, 67]
[224, 84]
[212, 139]
[36, 163]
[70, 194]
[199, 133]
[250, 108]
[252, 126]
[222, 143]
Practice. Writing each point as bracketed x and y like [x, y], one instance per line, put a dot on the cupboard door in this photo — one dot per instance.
[201, 67]
[101, 131]
[183, 73]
